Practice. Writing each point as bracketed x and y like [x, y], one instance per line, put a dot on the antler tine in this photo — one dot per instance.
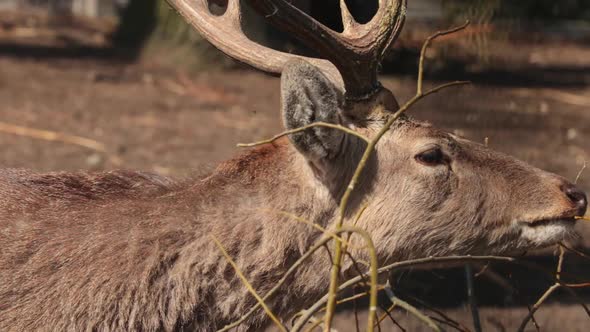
[348, 21]
[394, 17]
[225, 32]
[356, 52]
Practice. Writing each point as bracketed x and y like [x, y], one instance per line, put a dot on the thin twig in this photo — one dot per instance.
[410, 308]
[315, 323]
[580, 172]
[345, 250]
[398, 266]
[559, 264]
[350, 298]
[248, 285]
[482, 271]
[537, 305]
[533, 319]
[359, 272]
[373, 274]
[547, 293]
[53, 136]
[445, 319]
[300, 129]
[321, 243]
[576, 251]
[580, 285]
[302, 259]
[471, 298]
[278, 285]
[356, 315]
[425, 47]
[388, 314]
[354, 297]
[577, 297]
[316, 226]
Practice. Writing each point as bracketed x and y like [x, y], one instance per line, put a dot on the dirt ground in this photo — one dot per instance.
[158, 119]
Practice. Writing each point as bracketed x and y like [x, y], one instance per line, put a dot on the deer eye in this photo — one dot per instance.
[431, 157]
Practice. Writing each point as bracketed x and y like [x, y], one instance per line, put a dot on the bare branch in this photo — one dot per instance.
[388, 314]
[373, 274]
[399, 266]
[444, 318]
[278, 285]
[425, 47]
[300, 129]
[537, 305]
[547, 293]
[410, 308]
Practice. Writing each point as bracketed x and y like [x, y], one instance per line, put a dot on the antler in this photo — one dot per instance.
[353, 55]
[356, 52]
[225, 32]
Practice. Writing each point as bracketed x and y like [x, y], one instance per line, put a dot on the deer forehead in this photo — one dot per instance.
[414, 137]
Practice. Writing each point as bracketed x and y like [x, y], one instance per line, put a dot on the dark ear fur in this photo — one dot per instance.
[307, 96]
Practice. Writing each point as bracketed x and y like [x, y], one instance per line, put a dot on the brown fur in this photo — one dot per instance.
[131, 251]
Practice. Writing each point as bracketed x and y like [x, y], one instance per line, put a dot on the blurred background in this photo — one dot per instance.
[103, 84]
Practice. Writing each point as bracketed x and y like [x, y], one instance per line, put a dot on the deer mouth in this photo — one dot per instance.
[548, 231]
[567, 220]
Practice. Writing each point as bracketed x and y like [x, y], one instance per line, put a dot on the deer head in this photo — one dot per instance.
[428, 192]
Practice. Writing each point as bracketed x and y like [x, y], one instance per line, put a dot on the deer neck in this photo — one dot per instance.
[266, 194]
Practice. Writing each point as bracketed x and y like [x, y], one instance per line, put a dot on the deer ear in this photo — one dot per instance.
[308, 96]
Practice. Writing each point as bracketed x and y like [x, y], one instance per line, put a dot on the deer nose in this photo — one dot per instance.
[577, 197]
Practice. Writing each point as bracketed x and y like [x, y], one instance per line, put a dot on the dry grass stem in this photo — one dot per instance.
[52, 136]
[248, 285]
[580, 172]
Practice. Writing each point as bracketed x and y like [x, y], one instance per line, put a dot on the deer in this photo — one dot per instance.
[131, 251]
